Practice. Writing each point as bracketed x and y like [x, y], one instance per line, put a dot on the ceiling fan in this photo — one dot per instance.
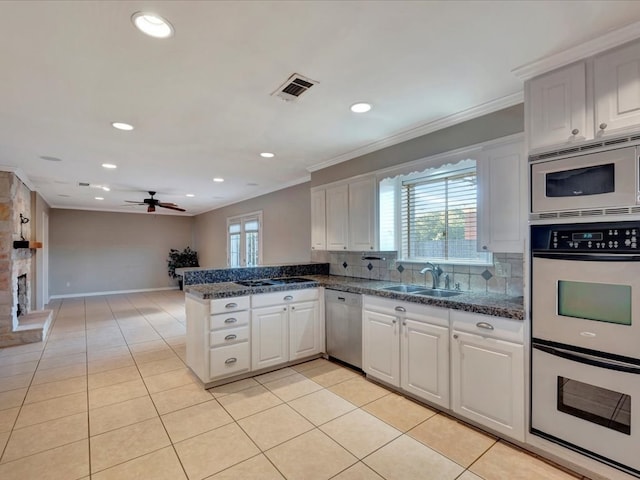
[152, 203]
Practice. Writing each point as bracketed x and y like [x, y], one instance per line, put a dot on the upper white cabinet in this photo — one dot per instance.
[343, 216]
[501, 187]
[318, 220]
[616, 82]
[561, 110]
[557, 107]
[337, 199]
[362, 214]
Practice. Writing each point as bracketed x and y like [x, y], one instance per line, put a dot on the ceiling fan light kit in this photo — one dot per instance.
[152, 203]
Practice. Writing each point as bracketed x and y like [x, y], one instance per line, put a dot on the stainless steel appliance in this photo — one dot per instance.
[585, 324]
[585, 181]
[343, 313]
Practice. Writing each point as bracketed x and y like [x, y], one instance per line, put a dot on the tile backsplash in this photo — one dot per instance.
[470, 277]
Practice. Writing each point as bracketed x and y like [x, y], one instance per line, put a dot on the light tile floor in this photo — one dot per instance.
[108, 396]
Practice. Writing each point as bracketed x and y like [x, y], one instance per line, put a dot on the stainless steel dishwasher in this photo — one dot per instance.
[343, 313]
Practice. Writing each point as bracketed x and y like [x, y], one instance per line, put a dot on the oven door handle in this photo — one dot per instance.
[588, 257]
[589, 359]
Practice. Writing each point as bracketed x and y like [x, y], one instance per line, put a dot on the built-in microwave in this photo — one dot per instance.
[598, 180]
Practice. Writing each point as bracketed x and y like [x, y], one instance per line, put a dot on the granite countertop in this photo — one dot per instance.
[484, 303]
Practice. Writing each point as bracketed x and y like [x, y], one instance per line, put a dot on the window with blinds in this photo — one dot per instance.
[243, 240]
[432, 216]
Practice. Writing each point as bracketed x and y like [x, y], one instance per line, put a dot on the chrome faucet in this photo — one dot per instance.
[435, 272]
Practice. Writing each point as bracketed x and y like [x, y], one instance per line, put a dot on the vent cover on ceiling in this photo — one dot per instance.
[83, 184]
[295, 86]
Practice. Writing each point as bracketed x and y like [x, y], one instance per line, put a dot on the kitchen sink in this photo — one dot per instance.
[404, 288]
[430, 292]
[418, 290]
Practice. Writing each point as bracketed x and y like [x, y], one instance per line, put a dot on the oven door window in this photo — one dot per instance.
[598, 405]
[595, 301]
[595, 180]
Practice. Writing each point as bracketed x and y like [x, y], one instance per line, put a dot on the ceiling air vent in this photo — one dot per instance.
[83, 184]
[295, 86]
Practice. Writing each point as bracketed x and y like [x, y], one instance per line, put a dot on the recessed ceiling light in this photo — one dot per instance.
[63, 195]
[106, 189]
[218, 180]
[109, 166]
[50, 159]
[152, 24]
[127, 127]
[190, 195]
[99, 198]
[360, 107]
[267, 155]
[251, 184]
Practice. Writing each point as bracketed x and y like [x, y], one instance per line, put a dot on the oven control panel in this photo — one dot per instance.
[618, 237]
[595, 239]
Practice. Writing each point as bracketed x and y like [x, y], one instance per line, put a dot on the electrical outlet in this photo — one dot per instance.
[503, 269]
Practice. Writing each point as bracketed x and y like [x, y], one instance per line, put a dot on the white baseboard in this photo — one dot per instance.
[115, 292]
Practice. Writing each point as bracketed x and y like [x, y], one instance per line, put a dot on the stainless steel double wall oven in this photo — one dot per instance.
[585, 307]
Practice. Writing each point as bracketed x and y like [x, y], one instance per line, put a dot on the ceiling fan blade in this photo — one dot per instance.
[167, 204]
[137, 203]
[172, 207]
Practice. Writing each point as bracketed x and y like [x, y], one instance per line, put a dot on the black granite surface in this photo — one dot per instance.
[195, 276]
[483, 303]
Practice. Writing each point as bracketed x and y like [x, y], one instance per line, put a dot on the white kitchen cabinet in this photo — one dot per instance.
[381, 346]
[269, 336]
[286, 326]
[362, 214]
[343, 215]
[305, 332]
[557, 110]
[487, 372]
[616, 82]
[318, 220]
[406, 345]
[218, 340]
[501, 187]
[337, 209]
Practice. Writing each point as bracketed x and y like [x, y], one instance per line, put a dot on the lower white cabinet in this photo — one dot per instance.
[218, 337]
[487, 372]
[406, 345]
[286, 326]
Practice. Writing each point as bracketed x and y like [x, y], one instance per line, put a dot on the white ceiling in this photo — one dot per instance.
[200, 101]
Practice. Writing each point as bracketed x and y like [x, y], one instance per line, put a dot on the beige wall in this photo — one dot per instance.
[101, 252]
[286, 228]
[488, 127]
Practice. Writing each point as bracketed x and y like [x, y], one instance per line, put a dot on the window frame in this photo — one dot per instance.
[243, 220]
[440, 166]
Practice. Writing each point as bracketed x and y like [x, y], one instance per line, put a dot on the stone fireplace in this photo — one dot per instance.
[18, 323]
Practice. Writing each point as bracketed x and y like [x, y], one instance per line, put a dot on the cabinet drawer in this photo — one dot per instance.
[228, 336]
[284, 297]
[399, 308]
[229, 359]
[503, 328]
[233, 304]
[232, 319]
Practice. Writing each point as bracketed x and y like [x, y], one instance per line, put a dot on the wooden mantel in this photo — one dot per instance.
[26, 244]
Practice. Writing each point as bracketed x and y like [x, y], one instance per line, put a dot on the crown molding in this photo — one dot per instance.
[18, 172]
[430, 127]
[587, 49]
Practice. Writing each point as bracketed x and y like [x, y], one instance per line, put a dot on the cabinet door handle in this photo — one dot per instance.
[231, 360]
[401, 309]
[455, 336]
[394, 321]
[288, 297]
[231, 337]
[485, 325]
[293, 308]
[602, 126]
[231, 320]
[575, 131]
[404, 323]
[231, 305]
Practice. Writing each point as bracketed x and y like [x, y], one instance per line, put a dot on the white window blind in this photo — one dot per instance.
[439, 217]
